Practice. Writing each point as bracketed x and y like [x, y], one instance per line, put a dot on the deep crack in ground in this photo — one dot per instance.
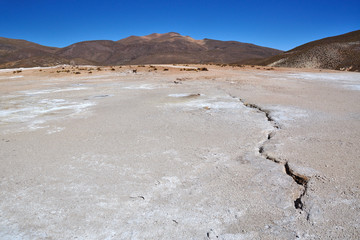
[298, 178]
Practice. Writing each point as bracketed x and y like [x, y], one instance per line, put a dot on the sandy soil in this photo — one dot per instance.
[229, 153]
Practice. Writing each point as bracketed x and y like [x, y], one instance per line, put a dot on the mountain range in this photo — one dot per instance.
[151, 49]
[340, 52]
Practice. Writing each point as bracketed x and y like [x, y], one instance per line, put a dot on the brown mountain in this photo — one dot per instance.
[340, 52]
[14, 50]
[21, 53]
[154, 48]
[165, 48]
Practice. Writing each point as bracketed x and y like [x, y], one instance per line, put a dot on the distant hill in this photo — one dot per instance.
[340, 52]
[21, 53]
[14, 50]
[154, 48]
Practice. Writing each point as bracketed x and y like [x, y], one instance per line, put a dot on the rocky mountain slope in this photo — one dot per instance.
[154, 48]
[21, 53]
[340, 52]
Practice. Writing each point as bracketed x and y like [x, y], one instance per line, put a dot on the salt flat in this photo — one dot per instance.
[230, 153]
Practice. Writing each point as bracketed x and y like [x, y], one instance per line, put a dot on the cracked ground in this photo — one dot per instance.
[230, 153]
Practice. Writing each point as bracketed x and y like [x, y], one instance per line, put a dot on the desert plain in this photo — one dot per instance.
[235, 152]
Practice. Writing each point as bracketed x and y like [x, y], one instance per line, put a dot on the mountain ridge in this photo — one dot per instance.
[154, 48]
[341, 52]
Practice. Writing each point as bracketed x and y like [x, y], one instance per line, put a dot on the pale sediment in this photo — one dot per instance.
[149, 158]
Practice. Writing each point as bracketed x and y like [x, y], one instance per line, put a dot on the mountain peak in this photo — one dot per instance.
[155, 37]
[163, 34]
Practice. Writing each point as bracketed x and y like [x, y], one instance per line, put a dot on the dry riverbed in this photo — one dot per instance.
[178, 152]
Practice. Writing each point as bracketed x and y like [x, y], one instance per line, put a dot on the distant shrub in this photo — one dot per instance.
[237, 65]
[134, 70]
[166, 69]
[99, 69]
[153, 67]
[77, 72]
[112, 69]
[90, 72]
[203, 69]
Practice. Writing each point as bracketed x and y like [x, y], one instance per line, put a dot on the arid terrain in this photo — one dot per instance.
[340, 52]
[154, 48]
[179, 152]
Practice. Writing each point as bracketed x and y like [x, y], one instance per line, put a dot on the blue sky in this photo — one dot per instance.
[277, 24]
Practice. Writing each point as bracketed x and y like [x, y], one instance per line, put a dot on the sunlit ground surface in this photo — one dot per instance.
[180, 155]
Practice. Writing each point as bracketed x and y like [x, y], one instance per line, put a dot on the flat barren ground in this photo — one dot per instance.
[228, 153]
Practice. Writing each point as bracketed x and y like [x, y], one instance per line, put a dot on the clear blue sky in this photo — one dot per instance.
[278, 24]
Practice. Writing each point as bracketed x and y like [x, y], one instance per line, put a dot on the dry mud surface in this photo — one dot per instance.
[229, 153]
